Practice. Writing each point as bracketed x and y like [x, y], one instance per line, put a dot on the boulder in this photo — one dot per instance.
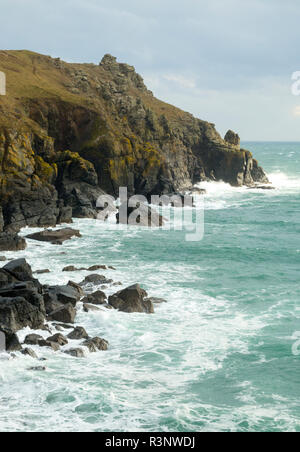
[59, 236]
[53, 345]
[96, 280]
[2, 259]
[97, 342]
[64, 314]
[97, 267]
[19, 269]
[61, 295]
[75, 352]
[78, 288]
[97, 298]
[38, 369]
[132, 299]
[12, 342]
[33, 339]
[11, 242]
[232, 138]
[71, 268]
[29, 352]
[42, 272]
[78, 333]
[59, 339]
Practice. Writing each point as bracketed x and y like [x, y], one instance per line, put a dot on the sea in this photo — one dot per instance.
[221, 355]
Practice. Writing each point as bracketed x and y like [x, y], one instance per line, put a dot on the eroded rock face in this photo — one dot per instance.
[132, 299]
[104, 130]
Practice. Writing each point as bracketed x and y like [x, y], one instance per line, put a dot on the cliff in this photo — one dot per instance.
[68, 132]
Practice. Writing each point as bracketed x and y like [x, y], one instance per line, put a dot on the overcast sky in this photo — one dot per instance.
[226, 61]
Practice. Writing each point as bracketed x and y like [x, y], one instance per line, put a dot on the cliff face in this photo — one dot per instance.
[70, 131]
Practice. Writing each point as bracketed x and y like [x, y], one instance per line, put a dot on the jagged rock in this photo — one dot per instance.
[97, 342]
[20, 269]
[51, 236]
[56, 295]
[142, 215]
[64, 314]
[75, 352]
[46, 343]
[132, 299]
[58, 338]
[17, 313]
[33, 339]
[97, 298]
[11, 242]
[232, 138]
[95, 280]
[78, 288]
[78, 333]
[12, 342]
[29, 352]
[26, 290]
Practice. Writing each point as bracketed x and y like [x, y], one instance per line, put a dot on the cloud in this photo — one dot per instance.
[225, 60]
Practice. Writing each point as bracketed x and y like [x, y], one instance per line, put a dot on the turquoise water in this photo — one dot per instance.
[217, 357]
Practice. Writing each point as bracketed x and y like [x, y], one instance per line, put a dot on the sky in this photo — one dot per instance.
[229, 62]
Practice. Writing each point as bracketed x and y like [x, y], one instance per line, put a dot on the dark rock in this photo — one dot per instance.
[19, 269]
[17, 313]
[97, 298]
[75, 352]
[232, 138]
[12, 342]
[59, 339]
[90, 307]
[78, 333]
[29, 352]
[2, 258]
[96, 280]
[26, 290]
[77, 287]
[132, 299]
[142, 215]
[38, 369]
[11, 242]
[100, 344]
[33, 339]
[58, 236]
[46, 343]
[64, 314]
[97, 267]
[91, 346]
[71, 268]
[61, 295]
[41, 272]
[66, 326]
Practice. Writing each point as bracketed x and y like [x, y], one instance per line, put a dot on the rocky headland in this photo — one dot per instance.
[71, 132]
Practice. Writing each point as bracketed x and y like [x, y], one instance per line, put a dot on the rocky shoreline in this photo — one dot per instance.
[50, 311]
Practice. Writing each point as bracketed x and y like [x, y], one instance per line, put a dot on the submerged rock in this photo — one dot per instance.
[95, 344]
[58, 338]
[95, 280]
[33, 339]
[75, 352]
[29, 352]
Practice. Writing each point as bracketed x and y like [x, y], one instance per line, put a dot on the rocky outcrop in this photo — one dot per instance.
[69, 133]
